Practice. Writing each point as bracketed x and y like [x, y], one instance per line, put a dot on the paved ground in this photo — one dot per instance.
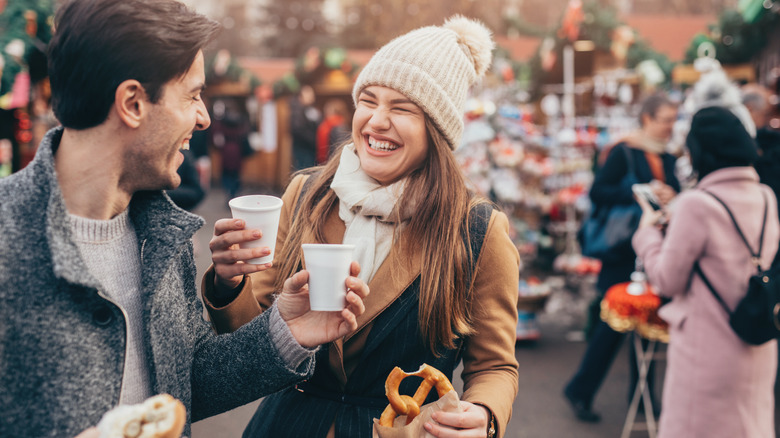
[545, 365]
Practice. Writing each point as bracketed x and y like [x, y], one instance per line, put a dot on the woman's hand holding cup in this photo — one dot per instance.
[245, 244]
[230, 261]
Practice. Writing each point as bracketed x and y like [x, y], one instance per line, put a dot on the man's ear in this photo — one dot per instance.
[645, 119]
[131, 103]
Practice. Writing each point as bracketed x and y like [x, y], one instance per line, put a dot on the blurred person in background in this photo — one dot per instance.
[757, 100]
[304, 120]
[333, 130]
[716, 385]
[651, 164]
[230, 134]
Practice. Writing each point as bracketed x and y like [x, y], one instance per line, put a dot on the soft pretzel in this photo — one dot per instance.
[161, 416]
[410, 406]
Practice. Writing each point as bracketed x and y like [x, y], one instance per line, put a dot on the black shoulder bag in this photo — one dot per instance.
[607, 230]
[755, 320]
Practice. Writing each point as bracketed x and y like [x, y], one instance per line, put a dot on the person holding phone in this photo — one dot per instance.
[734, 397]
[653, 168]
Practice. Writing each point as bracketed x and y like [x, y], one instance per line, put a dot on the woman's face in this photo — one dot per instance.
[389, 134]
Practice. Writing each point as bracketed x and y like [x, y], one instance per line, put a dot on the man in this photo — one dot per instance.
[640, 157]
[99, 300]
[756, 99]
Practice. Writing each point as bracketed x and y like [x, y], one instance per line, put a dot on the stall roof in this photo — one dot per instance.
[670, 35]
[521, 48]
[270, 70]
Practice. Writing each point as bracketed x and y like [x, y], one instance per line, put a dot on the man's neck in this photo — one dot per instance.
[88, 164]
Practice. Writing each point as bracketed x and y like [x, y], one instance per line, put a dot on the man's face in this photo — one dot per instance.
[660, 127]
[167, 129]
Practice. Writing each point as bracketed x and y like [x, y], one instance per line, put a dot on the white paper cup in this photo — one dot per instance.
[259, 212]
[328, 266]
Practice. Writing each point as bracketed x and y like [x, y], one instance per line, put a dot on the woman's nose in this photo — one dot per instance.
[379, 120]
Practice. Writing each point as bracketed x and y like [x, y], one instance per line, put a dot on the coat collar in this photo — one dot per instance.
[395, 274]
[156, 218]
[728, 174]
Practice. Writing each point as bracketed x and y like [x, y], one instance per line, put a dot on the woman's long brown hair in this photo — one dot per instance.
[438, 227]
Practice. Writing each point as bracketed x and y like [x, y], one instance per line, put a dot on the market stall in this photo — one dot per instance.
[328, 73]
[24, 99]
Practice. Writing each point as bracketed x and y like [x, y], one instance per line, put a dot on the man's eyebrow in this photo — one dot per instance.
[199, 88]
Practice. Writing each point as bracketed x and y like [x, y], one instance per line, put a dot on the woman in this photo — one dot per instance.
[442, 270]
[716, 385]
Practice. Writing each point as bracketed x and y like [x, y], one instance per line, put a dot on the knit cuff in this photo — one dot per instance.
[289, 349]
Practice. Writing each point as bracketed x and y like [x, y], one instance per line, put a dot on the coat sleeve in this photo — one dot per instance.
[668, 261]
[609, 186]
[234, 369]
[230, 370]
[490, 368]
[257, 292]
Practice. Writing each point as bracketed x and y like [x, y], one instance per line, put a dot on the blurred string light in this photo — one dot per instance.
[291, 23]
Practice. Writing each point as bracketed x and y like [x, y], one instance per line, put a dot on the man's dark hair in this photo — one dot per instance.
[651, 104]
[98, 44]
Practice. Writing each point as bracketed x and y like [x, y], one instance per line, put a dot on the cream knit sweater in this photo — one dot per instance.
[110, 251]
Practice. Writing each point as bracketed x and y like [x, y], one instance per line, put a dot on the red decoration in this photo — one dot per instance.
[572, 19]
[624, 312]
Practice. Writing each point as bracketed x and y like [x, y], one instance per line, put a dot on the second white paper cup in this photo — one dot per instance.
[328, 266]
[259, 212]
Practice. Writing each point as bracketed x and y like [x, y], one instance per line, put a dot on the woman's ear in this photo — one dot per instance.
[131, 103]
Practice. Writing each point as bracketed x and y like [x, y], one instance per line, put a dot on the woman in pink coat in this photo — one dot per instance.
[716, 385]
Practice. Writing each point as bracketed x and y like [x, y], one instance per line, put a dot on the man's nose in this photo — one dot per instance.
[203, 120]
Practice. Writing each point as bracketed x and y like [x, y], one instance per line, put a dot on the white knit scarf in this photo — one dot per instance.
[366, 208]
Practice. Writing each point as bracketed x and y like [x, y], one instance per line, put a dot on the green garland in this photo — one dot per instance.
[598, 25]
[311, 65]
[736, 40]
[14, 23]
[233, 73]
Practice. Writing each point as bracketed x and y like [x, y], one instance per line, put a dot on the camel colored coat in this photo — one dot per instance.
[716, 385]
[490, 368]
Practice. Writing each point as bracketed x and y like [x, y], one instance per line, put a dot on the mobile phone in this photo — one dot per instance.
[645, 192]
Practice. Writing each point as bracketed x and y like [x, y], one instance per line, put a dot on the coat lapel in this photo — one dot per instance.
[393, 277]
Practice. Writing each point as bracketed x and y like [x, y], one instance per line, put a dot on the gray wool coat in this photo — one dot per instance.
[62, 343]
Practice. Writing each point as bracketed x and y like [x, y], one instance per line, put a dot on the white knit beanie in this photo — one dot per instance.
[714, 88]
[434, 67]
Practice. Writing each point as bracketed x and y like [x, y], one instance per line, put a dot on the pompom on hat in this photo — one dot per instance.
[434, 67]
[714, 89]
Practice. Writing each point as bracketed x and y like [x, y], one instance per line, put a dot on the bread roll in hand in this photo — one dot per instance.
[160, 416]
